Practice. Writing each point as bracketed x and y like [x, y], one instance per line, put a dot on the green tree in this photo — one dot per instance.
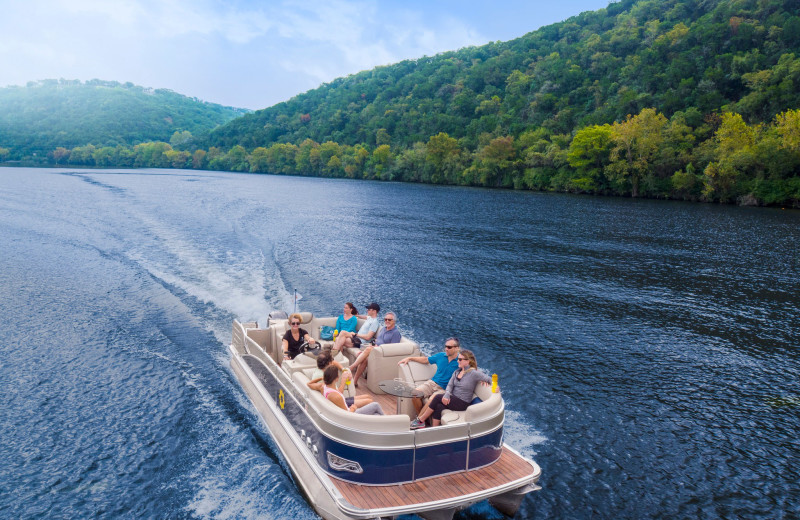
[637, 141]
[199, 159]
[787, 124]
[589, 154]
[151, 155]
[237, 159]
[735, 146]
[61, 155]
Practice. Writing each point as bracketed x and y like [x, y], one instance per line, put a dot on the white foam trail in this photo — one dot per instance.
[246, 283]
[520, 435]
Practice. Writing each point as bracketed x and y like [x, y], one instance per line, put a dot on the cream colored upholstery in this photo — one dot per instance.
[374, 423]
[383, 362]
[415, 373]
[490, 405]
[303, 361]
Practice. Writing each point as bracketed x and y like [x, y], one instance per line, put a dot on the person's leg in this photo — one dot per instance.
[455, 404]
[343, 340]
[428, 388]
[363, 400]
[361, 368]
[361, 357]
[431, 408]
[371, 409]
[361, 363]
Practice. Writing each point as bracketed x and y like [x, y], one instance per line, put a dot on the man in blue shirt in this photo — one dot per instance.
[446, 363]
[387, 334]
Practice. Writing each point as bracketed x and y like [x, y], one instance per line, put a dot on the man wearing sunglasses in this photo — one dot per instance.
[446, 363]
[387, 334]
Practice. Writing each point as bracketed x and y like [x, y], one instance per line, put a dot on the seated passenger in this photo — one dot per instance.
[446, 363]
[324, 360]
[365, 333]
[295, 337]
[330, 377]
[387, 334]
[347, 321]
[458, 394]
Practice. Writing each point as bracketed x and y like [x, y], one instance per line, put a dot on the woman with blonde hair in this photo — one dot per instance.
[458, 395]
[295, 337]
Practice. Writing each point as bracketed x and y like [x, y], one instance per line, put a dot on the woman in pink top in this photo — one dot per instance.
[332, 394]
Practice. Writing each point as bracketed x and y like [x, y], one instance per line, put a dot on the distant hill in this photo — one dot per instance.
[44, 115]
[703, 56]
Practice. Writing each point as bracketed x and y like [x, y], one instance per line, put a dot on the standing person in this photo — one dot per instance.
[458, 394]
[365, 333]
[347, 321]
[295, 337]
[332, 394]
[387, 334]
[446, 363]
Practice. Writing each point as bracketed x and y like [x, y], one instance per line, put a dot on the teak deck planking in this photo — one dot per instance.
[388, 402]
[508, 468]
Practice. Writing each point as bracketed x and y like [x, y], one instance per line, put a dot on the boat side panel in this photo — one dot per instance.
[386, 466]
[440, 459]
[485, 449]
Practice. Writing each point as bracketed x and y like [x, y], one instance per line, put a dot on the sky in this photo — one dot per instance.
[248, 53]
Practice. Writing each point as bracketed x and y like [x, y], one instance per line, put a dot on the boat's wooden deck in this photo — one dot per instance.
[508, 468]
[388, 402]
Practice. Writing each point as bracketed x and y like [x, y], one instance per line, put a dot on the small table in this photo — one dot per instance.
[400, 390]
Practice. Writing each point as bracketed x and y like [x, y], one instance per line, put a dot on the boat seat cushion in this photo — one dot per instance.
[383, 362]
[304, 361]
[415, 373]
[334, 414]
[489, 406]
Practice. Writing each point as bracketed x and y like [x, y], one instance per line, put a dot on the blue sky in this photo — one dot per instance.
[249, 54]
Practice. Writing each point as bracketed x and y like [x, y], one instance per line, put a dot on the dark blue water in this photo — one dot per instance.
[648, 351]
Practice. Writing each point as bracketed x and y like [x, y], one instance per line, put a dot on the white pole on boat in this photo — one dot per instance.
[295, 300]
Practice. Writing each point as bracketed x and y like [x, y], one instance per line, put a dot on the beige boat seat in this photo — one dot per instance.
[383, 362]
[349, 420]
[490, 404]
[304, 361]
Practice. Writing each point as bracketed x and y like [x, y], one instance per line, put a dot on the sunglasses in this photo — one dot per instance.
[388, 319]
[451, 346]
[463, 359]
[295, 323]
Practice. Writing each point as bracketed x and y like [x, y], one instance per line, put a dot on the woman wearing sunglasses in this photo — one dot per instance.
[458, 395]
[295, 337]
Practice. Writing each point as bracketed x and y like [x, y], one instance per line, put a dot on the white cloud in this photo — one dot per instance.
[251, 53]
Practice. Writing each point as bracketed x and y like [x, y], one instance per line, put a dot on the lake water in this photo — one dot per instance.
[647, 350]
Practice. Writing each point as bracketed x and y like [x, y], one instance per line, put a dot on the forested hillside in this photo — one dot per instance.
[44, 115]
[688, 99]
[598, 67]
